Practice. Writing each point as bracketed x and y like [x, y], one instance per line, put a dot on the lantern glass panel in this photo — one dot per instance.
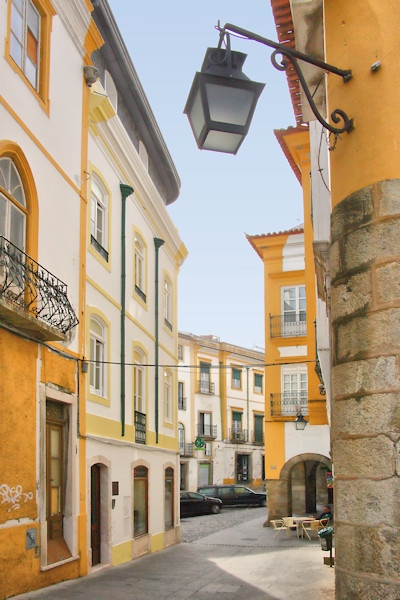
[228, 104]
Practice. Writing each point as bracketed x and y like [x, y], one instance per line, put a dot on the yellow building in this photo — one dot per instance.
[42, 199]
[296, 460]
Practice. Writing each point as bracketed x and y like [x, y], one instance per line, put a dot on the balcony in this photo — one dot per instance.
[186, 449]
[140, 427]
[205, 387]
[288, 325]
[289, 404]
[32, 299]
[238, 436]
[207, 431]
[182, 403]
[99, 248]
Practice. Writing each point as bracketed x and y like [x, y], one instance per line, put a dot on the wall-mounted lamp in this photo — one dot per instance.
[91, 74]
[84, 366]
[300, 422]
[222, 99]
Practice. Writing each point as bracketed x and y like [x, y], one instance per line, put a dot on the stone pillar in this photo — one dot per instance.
[365, 301]
[278, 498]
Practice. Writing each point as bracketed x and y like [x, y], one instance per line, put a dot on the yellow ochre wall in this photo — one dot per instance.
[371, 152]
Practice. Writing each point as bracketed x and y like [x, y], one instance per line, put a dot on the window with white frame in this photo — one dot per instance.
[181, 396]
[207, 449]
[180, 352]
[258, 383]
[181, 438]
[99, 218]
[168, 303]
[25, 36]
[140, 267]
[98, 335]
[138, 381]
[236, 378]
[205, 378]
[167, 396]
[294, 399]
[293, 300]
[13, 210]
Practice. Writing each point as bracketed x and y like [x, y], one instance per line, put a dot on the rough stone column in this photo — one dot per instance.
[365, 303]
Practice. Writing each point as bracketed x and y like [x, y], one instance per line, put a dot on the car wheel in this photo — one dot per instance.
[215, 509]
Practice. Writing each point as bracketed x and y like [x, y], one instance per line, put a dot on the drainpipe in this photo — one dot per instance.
[157, 244]
[126, 190]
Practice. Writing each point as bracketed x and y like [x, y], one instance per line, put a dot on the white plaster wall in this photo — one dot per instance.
[293, 253]
[285, 351]
[313, 439]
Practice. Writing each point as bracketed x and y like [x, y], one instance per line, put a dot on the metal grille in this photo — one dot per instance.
[140, 427]
[289, 404]
[288, 325]
[30, 287]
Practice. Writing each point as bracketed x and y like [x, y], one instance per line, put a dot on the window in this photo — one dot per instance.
[29, 42]
[167, 396]
[293, 310]
[13, 209]
[236, 378]
[138, 381]
[97, 357]
[205, 427]
[258, 429]
[169, 498]
[181, 399]
[168, 303]
[258, 383]
[56, 477]
[181, 438]
[208, 449]
[294, 390]
[140, 267]
[98, 219]
[140, 501]
[205, 383]
[236, 422]
[180, 352]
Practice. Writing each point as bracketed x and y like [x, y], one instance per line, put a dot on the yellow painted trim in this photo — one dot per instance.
[274, 449]
[107, 428]
[100, 107]
[93, 39]
[46, 12]
[103, 183]
[165, 442]
[122, 553]
[38, 144]
[157, 542]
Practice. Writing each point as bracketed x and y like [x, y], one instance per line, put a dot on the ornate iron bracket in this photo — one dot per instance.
[293, 56]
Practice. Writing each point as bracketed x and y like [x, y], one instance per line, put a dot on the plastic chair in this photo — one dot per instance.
[311, 526]
[279, 525]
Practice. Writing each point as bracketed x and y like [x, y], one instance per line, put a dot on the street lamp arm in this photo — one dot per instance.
[292, 55]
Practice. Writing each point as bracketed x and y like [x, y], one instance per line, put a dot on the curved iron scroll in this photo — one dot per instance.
[293, 56]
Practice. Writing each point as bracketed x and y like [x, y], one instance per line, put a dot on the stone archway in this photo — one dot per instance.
[300, 488]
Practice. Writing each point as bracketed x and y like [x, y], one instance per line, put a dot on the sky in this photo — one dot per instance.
[223, 197]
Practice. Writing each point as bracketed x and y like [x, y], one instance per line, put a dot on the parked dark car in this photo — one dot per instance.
[193, 503]
[234, 495]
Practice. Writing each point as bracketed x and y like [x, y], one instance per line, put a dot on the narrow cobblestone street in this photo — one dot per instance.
[229, 556]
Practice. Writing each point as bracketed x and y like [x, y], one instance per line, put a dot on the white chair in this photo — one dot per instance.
[311, 526]
[279, 525]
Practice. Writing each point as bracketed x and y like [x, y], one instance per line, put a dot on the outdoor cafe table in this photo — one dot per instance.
[298, 521]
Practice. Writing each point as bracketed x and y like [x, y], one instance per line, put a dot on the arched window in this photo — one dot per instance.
[13, 210]
[168, 303]
[140, 500]
[99, 218]
[140, 267]
[181, 438]
[98, 338]
[169, 498]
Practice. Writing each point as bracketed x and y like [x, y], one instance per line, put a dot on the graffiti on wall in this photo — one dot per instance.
[14, 496]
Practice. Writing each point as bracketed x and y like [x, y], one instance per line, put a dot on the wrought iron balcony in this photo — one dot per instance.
[288, 325]
[182, 403]
[186, 449]
[205, 387]
[289, 404]
[207, 431]
[99, 248]
[31, 298]
[258, 439]
[238, 436]
[140, 427]
[140, 293]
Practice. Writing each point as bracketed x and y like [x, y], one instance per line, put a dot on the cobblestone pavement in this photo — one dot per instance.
[195, 528]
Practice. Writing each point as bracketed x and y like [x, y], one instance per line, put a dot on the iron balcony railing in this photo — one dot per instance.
[140, 427]
[31, 288]
[181, 403]
[208, 431]
[186, 449]
[289, 404]
[140, 293]
[289, 325]
[99, 248]
[204, 386]
[238, 436]
[258, 438]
